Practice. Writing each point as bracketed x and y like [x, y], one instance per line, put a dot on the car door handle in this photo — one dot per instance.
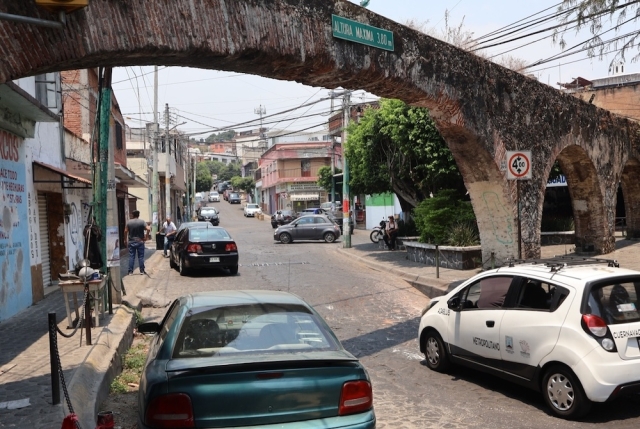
[490, 323]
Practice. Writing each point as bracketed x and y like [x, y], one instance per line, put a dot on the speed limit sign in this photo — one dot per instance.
[519, 165]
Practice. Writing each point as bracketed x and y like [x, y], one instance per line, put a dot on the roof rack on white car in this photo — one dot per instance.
[558, 262]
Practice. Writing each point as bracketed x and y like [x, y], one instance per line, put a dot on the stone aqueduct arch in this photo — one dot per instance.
[481, 109]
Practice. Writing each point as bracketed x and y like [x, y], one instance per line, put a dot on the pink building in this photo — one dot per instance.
[289, 175]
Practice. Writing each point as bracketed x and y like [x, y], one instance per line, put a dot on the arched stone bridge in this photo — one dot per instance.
[481, 109]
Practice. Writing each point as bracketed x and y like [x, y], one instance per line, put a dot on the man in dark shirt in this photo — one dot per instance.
[136, 234]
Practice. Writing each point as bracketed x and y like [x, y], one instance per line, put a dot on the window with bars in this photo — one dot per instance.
[119, 144]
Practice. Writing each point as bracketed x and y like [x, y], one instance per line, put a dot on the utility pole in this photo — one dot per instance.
[167, 173]
[103, 165]
[333, 158]
[155, 181]
[346, 227]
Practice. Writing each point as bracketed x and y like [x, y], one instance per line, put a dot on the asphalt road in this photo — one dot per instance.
[376, 315]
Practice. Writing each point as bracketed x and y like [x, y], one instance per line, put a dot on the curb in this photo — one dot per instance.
[90, 383]
[430, 287]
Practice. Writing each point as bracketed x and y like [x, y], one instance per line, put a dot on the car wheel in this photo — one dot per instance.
[285, 238]
[182, 268]
[329, 237]
[563, 393]
[233, 270]
[435, 353]
[171, 263]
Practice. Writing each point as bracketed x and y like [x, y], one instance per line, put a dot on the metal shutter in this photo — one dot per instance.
[44, 239]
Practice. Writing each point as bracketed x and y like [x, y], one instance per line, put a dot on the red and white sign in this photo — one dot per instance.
[519, 165]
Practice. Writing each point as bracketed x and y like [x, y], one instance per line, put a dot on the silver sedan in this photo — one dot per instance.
[312, 227]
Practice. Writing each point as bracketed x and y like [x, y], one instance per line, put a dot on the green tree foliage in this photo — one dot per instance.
[437, 217]
[223, 171]
[245, 184]
[204, 182]
[398, 148]
[223, 136]
[324, 177]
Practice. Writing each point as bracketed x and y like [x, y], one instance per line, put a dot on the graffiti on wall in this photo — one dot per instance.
[499, 216]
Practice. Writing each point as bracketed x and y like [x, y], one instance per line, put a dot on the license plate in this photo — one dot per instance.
[214, 259]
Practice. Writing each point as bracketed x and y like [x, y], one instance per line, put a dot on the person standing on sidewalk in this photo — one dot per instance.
[170, 230]
[135, 233]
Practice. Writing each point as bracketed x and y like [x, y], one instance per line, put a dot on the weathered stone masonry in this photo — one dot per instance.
[481, 109]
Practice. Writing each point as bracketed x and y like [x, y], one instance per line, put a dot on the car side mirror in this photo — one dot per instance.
[454, 303]
[149, 328]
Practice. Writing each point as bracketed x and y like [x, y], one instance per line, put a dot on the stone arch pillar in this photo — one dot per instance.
[593, 234]
[630, 183]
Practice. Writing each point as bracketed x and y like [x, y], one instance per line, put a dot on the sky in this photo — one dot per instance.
[206, 101]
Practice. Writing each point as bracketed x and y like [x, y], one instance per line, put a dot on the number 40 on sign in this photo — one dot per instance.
[519, 165]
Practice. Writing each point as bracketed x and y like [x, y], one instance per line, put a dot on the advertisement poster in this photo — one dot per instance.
[15, 271]
[113, 247]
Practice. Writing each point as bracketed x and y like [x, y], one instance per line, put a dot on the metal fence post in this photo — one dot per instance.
[55, 376]
[437, 262]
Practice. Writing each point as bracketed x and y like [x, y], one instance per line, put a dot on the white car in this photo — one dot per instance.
[214, 197]
[251, 210]
[569, 328]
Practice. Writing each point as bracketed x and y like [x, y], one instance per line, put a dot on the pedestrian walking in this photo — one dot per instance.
[170, 230]
[135, 233]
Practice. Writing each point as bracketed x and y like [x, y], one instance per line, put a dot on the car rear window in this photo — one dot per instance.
[251, 329]
[208, 211]
[206, 234]
[616, 303]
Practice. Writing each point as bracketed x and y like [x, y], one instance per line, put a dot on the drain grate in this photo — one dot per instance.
[272, 264]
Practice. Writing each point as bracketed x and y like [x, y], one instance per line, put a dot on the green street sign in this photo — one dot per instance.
[354, 31]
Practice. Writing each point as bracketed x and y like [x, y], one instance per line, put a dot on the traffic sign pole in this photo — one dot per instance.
[519, 168]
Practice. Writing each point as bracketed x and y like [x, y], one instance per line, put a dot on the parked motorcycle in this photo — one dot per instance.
[282, 217]
[378, 232]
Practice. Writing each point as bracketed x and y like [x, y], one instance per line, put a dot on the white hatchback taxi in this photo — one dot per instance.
[567, 327]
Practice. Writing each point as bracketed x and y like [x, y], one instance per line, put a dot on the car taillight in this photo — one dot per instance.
[170, 411]
[595, 325]
[194, 248]
[356, 397]
[231, 247]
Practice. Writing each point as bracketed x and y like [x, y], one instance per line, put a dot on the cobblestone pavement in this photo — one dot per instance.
[24, 355]
[375, 314]
[359, 292]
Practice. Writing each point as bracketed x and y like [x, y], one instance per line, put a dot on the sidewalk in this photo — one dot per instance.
[24, 351]
[25, 371]
[424, 278]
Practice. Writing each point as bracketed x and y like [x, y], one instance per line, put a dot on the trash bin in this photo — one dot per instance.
[159, 241]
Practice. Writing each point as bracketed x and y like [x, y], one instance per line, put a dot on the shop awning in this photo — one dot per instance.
[128, 177]
[63, 174]
[304, 197]
[122, 194]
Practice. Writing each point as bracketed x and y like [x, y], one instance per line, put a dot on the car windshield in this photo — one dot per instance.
[207, 211]
[208, 234]
[234, 195]
[252, 206]
[616, 303]
[251, 329]
[214, 194]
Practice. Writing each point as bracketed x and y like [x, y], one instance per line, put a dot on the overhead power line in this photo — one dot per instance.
[554, 27]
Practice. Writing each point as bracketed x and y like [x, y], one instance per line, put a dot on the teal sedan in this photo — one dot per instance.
[250, 359]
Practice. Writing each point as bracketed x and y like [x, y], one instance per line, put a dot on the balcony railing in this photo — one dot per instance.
[292, 172]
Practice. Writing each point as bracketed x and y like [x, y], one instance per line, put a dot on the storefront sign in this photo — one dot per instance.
[15, 281]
